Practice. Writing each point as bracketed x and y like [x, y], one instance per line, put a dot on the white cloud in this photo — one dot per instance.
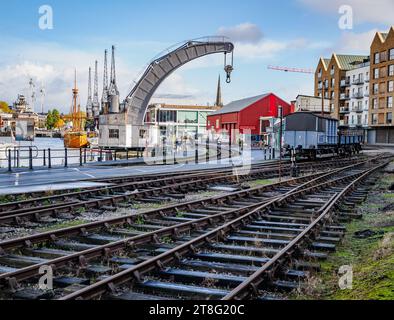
[242, 33]
[355, 43]
[376, 11]
[53, 65]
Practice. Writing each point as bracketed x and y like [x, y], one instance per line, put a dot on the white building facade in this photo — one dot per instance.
[177, 121]
[312, 104]
[357, 80]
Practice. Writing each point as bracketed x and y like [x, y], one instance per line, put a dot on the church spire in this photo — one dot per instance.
[219, 102]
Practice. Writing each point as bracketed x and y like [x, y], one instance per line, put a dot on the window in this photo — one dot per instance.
[374, 103]
[187, 117]
[365, 119]
[166, 116]
[332, 70]
[391, 53]
[142, 133]
[391, 70]
[217, 124]
[374, 118]
[389, 102]
[390, 86]
[375, 88]
[352, 120]
[376, 73]
[114, 133]
[332, 82]
[163, 131]
[389, 117]
[359, 119]
[377, 57]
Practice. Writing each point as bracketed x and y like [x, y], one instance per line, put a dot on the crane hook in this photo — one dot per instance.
[229, 69]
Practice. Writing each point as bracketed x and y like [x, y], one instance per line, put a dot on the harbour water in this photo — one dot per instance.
[38, 146]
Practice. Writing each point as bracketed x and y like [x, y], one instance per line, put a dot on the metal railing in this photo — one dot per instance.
[31, 157]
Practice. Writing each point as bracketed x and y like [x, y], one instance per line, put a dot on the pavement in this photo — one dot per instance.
[42, 179]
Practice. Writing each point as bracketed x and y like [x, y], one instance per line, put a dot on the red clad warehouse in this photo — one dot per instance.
[254, 114]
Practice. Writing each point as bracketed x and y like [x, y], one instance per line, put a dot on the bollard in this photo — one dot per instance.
[80, 157]
[9, 161]
[17, 158]
[65, 157]
[115, 154]
[265, 153]
[127, 154]
[164, 155]
[44, 158]
[219, 151]
[84, 156]
[49, 158]
[196, 153]
[273, 153]
[207, 150]
[100, 159]
[229, 148]
[14, 157]
[270, 153]
[30, 158]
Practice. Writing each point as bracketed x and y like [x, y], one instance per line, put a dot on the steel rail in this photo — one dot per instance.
[134, 273]
[23, 206]
[127, 219]
[250, 285]
[37, 215]
[107, 249]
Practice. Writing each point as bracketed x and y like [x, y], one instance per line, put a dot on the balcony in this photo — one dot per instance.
[344, 110]
[366, 94]
[357, 109]
[367, 79]
[358, 95]
[345, 83]
[344, 96]
[358, 82]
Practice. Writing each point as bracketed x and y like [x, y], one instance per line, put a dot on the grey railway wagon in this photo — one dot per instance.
[308, 131]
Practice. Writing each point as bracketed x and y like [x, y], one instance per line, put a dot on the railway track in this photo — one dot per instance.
[69, 205]
[171, 252]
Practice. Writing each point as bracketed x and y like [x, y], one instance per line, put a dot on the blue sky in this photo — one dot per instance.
[292, 33]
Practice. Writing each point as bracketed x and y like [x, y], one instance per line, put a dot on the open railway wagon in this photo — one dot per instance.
[312, 136]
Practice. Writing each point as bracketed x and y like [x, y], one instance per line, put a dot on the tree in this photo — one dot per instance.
[53, 118]
[4, 107]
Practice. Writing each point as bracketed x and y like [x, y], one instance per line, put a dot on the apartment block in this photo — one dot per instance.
[382, 88]
[331, 81]
[357, 88]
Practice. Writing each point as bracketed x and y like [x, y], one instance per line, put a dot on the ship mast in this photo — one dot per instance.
[76, 108]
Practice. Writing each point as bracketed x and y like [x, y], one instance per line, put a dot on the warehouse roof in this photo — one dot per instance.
[239, 105]
[317, 115]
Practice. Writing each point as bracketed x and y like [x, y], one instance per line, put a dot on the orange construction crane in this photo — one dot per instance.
[288, 69]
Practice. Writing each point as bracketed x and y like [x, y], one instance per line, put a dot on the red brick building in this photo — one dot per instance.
[252, 114]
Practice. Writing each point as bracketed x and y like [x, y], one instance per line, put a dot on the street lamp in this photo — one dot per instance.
[280, 114]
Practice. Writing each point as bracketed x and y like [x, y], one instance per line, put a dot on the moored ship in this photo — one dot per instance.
[77, 136]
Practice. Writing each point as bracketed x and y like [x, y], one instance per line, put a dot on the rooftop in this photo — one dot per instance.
[239, 105]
